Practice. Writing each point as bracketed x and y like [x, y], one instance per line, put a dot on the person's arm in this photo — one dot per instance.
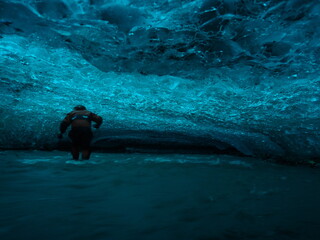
[97, 119]
[64, 125]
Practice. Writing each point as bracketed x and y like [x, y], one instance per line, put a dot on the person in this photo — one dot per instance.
[81, 134]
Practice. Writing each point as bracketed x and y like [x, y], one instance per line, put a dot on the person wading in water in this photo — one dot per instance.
[81, 134]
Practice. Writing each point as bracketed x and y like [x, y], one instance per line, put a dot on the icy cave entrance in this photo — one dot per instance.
[229, 75]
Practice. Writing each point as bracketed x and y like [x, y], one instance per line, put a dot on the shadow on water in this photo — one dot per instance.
[45, 195]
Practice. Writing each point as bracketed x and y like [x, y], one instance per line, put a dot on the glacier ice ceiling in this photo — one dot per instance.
[232, 74]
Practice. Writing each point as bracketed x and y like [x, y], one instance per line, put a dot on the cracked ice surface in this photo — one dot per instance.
[244, 76]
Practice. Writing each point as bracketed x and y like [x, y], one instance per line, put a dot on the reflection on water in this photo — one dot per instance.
[45, 195]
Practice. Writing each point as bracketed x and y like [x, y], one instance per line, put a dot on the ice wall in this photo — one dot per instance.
[224, 74]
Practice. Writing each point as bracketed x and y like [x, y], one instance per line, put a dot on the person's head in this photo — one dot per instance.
[79, 108]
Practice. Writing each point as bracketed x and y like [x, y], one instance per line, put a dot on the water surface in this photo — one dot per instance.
[45, 195]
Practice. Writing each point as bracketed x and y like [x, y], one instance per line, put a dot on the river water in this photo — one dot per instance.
[45, 195]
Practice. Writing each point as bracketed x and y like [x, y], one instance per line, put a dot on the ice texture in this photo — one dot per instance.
[223, 74]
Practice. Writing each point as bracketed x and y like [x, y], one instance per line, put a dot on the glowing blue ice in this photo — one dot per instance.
[241, 74]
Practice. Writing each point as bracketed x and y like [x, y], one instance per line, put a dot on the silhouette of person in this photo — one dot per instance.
[81, 134]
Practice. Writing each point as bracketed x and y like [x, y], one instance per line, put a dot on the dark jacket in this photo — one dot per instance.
[81, 118]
